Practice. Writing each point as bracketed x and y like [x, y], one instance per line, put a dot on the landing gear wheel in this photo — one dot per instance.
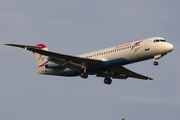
[155, 63]
[84, 75]
[107, 81]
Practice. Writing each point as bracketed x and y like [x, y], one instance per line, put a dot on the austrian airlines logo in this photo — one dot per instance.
[135, 45]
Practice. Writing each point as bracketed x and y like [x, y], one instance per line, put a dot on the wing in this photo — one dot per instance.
[123, 73]
[58, 58]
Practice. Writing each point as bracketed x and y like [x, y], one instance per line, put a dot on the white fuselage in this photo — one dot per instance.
[145, 49]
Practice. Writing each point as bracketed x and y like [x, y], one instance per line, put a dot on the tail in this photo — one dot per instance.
[41, 59]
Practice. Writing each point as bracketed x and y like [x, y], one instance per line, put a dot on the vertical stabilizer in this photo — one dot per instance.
[41, 59]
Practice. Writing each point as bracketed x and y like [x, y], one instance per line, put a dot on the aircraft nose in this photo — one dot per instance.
[170, 47]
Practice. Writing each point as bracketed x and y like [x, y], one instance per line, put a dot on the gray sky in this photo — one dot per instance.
[75, 27]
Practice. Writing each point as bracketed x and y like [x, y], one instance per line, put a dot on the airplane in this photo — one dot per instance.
[107, 63]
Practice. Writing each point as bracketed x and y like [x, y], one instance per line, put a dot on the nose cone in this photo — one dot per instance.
[170, 47]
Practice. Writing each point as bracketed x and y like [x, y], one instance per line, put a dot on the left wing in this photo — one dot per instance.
[123, 73]
[67, 58]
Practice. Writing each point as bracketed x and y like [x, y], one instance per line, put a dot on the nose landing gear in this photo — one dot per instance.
[157, 57]
[156, 63]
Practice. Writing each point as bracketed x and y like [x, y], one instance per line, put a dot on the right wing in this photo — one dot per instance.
[123, 73]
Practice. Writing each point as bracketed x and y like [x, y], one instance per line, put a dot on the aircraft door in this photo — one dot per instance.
[147, 46]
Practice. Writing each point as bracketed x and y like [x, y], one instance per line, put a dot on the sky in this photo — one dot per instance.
[75, 27]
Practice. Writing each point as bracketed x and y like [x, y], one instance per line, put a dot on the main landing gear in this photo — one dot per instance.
[107, 81]
[84, 75]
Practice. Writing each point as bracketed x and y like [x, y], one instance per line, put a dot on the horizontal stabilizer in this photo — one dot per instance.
[23, 46]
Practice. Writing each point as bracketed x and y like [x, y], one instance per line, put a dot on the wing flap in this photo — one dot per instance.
[115, 75]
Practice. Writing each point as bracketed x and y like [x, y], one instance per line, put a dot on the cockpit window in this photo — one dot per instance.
[159, 41]
[163, 40]
[156, 41]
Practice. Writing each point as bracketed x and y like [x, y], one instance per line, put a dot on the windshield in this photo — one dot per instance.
[159, 41]
[163, 40]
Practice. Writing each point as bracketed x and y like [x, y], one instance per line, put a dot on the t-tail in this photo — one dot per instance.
[41, 59]
[45, 66]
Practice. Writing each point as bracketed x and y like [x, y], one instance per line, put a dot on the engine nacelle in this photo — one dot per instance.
[51, 65]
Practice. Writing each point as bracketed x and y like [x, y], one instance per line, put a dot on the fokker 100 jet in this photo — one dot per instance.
[108, 63]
